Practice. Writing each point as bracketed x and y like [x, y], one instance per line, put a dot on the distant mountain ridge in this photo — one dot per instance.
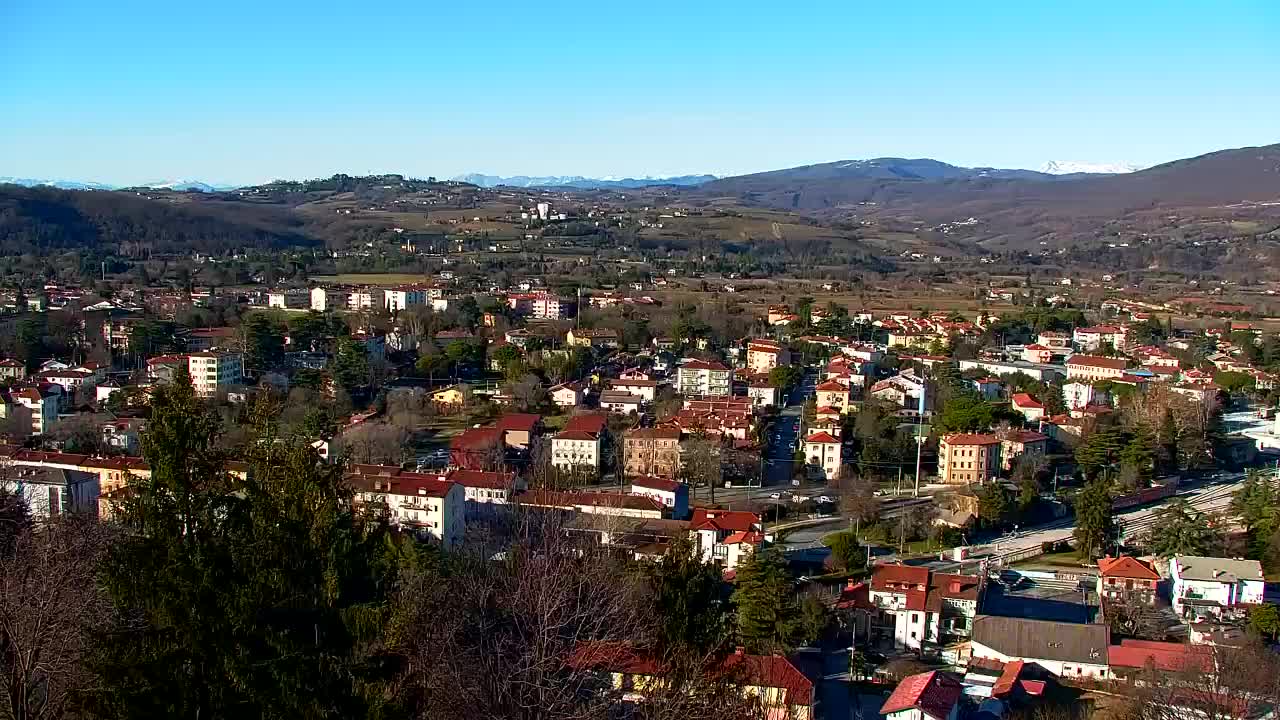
[580, 182]
[177, 185]
[1075, 167]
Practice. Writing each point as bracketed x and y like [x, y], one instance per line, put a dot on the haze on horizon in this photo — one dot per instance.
[243, 92]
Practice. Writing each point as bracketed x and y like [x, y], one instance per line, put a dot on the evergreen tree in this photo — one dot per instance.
[263, 596]
[1257, 504]
[1095, 528]
[687, 594]
[1099, 451]
[1167, 441]
[1139, 455]
[767, 613]
[994, 504]
[351, 364]
[1055, 403]
[1180, 530]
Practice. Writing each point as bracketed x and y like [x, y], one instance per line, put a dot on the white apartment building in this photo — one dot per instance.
[400, 298]
[365, 299]
[764, 355]
[576, 449]
[43, 407]
[214, 371]
[288, 299]
[427, 505]
[700, 377]
[822, 451]
[1208, 586]
[325, 299]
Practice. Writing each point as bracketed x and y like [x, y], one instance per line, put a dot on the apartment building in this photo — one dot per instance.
[540, 305]
[1017, 443]
[365, 300]
[651, 451]
[965, 458]
[706, 378]
[1209, 587]
[214, 371]
[822, 455]
[42, 406]
[422, 503]
[833, 394]
[1091, 368]
[51, 492]
[289, 299]
[405, 296]
[1089, 339]
[576, 450]
[764, 355]
[921, 609]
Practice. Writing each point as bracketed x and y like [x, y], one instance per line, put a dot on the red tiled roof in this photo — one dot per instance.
[822, 437]
[751, 538]
[575, 435]
[477, 438]
[832, 386]
[1166, 656]
[518, 421]
[1008, 678]
[1127, 567]
[933, 693]
[971, 439]
[703, 365]
[404, 484]
[1098, 361]
[1037, 346]
[1025, 400]
[1026, 436]
[890, 577]
[729, 520]
[481, 479]
[655, 483]
[654, 434]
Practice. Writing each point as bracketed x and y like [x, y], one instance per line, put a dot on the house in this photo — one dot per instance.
[921, 609]
[1091, 368]
[576, 450]
[52, 492]
[822, 455]
[725, 537]
[422, 503]
[1089, 339]
[42, 405]
[833, 394]
[1021, 442]
[449, 397]
[1037, 353]
[568, 394]
[11, 369]
[706, 378]
[519, 429]
[1080, 395]
[783, 691]
[642, 387]
[592, 338]
[1027, 406]
[482, 491]
[933, 695]
[988, 387]
[672, 494]
[1127, 577]
[651, 452]
[763, 394]
[123, 434]
[622, 403]
[764, 355]
[214, 371]
[1068, 650]
[1057, 341]
[478, 449]
[540, 305]
[965, 458]
[1213, 587]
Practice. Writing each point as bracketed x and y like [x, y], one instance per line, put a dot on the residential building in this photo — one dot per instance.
[405, 296]
[1127, 578]
[725, 537]
[921, 609]
[214, 371]
[478, 449]
[1068, 650]
[643, 388]
[1080, 395]
[651, 452]
[71, 380]
[1089, 339]
[449, 397]
[52, 492]
[622, 403]
[933, 695]
[42, 406]
[327, 299]
[1035, 371]
[1213, 587]
[764, 355]
[1092, 368]
[701, 377]
[672, 494]
[592, 338]
[1056, 341]
[833, 394]
[422, 503]
[576, 450]
[482, 491]
[11, 369]
[965, 458]
[763, 394]
[822, 455]
[1020, 443]
[201, 339]
[288, 299]
[123, 434]
[540, 305]
[613, 505]
[519, 429]
[1027, 406]
[568, 394]
[1037, 353]
[783, 691]
[365, 300]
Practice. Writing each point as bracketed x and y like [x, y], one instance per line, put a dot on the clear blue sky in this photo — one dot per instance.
[237, 91]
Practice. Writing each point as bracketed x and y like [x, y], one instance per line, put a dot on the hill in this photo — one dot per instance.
[1014, 208]
[42, 219]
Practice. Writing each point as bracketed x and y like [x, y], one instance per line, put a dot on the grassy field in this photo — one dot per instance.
[371, 278]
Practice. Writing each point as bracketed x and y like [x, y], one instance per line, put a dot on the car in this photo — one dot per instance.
[799, 498]
[780, 495]
[826, 499]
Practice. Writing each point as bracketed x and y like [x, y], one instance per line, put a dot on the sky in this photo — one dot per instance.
[233, 91]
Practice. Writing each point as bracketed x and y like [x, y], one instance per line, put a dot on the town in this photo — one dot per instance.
[1049, 499]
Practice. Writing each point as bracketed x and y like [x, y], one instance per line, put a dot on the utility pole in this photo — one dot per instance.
[924, 387]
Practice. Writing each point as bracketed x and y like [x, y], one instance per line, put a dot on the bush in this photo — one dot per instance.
[846, 551]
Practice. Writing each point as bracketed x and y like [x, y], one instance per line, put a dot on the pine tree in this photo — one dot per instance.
[767, 613]
[1180, 530]
[687, 593]
[1095, 528]
[1139, 455]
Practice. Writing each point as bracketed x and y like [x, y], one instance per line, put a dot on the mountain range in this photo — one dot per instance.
[579, 182]
[178, 185]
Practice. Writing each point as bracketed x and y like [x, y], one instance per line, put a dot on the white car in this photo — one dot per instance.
[824, 499]
[799, 498]
[780, 495]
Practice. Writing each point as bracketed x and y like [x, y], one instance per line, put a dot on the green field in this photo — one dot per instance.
[371, 278]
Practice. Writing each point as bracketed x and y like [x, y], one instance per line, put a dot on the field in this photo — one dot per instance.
[371, 278]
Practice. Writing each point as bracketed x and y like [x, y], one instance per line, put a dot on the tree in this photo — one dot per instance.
[1099, 451]
[351, 364]
[1232, 382]
[692, 615]
[528, 393]
[847, 552]
[785, 376]
[1095, 528]
[1179, 530]
[994, 504]
[1138, 456]
[505, 356]
[263, 343]
[965, 412]
[858, 499]
[1265, 620]
[1055, 402]
[767, 612]
[1257, 504]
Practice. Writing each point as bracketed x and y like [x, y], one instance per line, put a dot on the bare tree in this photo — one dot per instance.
[50, 605]
[375, 443]
[528, 393]
[1215, 682]
[858, 498]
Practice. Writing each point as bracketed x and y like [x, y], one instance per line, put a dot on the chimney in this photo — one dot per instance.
[955, 586]
[422, 491]
[739, 650]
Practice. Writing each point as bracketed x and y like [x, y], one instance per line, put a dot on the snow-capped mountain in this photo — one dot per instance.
[1074, 167]
[60, 184]
[186, 185]
[579, 181]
